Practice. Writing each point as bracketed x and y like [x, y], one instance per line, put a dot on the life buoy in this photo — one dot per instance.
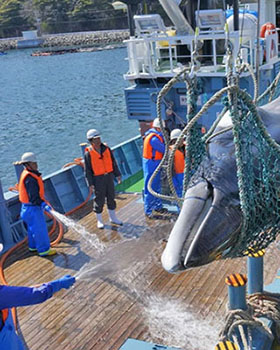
[268, 29]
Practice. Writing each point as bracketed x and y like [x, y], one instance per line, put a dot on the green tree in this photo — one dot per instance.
[11, 21]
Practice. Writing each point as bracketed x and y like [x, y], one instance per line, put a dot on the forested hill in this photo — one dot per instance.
[61, 16]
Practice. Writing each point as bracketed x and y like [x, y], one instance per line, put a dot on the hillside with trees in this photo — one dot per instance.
[63, 16]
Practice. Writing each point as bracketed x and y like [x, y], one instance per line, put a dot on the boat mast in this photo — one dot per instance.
[132, 6]
[235, 15]
[258, 49]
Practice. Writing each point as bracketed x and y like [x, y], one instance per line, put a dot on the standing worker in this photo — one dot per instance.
[179, 162]
[32, 197]
[100, 170]
[12, 296]
[153, 150]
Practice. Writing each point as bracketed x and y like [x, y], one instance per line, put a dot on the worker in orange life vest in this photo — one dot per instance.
[100, 170]
[32, 197]
[14, 296]
[153, 150]
[179, 162]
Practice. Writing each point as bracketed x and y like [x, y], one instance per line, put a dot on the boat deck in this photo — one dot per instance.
[115, 300]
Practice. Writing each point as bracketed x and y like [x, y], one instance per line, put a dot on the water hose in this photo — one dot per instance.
[77, 161]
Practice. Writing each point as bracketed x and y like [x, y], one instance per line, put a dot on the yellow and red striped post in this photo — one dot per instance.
[226, 345]
[255, 271]
[237, 291]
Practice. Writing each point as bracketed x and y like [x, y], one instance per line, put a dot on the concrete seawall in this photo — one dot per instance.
[69, 39]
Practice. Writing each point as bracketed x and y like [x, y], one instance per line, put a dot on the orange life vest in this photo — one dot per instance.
[179, 162]
[5, 313]
[101, 163]
[23, 195]
[148, 149]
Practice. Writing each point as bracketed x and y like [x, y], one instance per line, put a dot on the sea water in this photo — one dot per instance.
[48, 103]
[170, 322]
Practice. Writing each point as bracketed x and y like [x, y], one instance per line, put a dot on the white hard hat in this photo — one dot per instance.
[175, 133]
[92, 133]
[156, 123]
[28, 157]
[1, 247]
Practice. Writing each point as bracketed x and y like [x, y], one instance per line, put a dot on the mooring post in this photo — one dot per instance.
[5, 226]
[227, 344]
[83, 146]
[19, 169]
[255, 272]
[237, 291]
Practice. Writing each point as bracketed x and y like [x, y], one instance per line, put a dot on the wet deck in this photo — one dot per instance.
[129, 295]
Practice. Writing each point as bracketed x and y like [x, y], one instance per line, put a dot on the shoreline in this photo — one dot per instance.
[84, 39]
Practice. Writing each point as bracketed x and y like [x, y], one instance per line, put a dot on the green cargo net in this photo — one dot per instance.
[257, 159]
[258, 169]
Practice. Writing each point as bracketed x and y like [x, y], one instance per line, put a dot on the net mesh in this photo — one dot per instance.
[258, 171]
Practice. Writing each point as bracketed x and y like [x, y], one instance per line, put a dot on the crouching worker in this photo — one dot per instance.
[11, 296]
[32, 197]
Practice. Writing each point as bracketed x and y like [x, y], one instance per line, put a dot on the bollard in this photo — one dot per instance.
[83, 146]
[237, 291]
[5, 226]
[255, 271]
[19, 169]
[226, 345]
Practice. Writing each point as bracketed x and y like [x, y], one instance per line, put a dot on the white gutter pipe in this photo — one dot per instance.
[173, 11]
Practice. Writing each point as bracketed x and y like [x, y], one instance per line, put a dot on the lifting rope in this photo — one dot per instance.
[257, 154]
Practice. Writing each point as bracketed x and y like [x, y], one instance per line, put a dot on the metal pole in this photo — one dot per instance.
[255, 272]
[258, 49]
[5, 227]
[235, 15]
[237, 291]
[19, 169]
[83, 147]
[226, 345]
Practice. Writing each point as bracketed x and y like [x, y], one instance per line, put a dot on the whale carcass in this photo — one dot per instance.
[211, 218]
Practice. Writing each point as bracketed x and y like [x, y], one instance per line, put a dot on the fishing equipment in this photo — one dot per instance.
[257, 154]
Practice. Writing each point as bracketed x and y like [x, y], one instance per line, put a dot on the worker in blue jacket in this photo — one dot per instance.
[32, 197]
[153, 150]
[12, 296]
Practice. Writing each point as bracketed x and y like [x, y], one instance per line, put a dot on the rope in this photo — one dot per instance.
[269, 92]
[259, 305]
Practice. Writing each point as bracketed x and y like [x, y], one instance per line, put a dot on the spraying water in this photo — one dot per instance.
[170, 322]
[92, 239]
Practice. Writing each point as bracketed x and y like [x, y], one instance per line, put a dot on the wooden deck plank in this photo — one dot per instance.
[100, 313]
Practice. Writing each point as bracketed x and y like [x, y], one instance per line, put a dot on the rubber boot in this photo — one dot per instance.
[99, 221]
[113, 218]
[50, 252]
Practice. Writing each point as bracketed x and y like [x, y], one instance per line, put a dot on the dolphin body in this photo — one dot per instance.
[211, 218]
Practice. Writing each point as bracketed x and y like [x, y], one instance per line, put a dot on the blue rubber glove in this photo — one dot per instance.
[46, 207]
[64, 282]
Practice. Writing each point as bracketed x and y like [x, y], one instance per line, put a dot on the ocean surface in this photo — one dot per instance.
[48, 103]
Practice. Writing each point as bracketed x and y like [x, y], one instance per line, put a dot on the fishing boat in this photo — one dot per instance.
[124, 299]
[157, 53]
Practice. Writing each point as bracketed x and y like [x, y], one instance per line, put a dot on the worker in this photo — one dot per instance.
[13, 296]
[179, 162]
[153, 150]
[32, 197]
[100, 170]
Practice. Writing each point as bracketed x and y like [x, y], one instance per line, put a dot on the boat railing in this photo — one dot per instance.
[154, 56]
